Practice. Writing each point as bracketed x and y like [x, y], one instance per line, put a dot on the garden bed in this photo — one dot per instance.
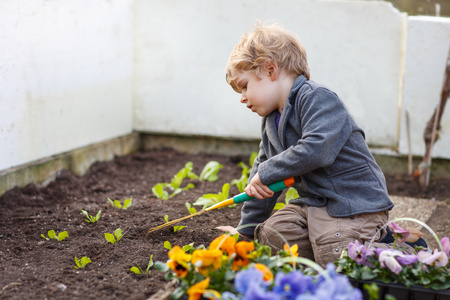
[34, 268]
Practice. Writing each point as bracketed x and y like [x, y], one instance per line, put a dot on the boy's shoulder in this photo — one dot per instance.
[311, 88]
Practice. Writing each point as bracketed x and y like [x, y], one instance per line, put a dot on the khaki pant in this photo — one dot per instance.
[319, 236]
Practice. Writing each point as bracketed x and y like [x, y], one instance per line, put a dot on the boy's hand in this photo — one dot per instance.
[258, 190]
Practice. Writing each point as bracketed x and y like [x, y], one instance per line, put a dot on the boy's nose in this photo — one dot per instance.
[243, 98]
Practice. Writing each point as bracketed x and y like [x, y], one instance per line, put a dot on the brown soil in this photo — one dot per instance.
[33, 268]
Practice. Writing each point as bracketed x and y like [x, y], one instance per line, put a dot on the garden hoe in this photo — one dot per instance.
[275, 187]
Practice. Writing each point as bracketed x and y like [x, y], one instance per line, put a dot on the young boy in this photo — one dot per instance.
[308, 134]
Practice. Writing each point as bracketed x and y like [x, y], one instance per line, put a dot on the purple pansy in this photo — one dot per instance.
[387, 260]
[437, 258]
[247, 278]
[357, 252]
[256, 292]
[398, 233]
[446, 245]
[290, 285]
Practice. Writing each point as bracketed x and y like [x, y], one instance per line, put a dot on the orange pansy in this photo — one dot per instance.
[225, 243]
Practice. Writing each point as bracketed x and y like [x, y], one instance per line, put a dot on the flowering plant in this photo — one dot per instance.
[230, 269]
[425, 267]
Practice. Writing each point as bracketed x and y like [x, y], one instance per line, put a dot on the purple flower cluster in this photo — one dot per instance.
[295, 285]
[393, 259]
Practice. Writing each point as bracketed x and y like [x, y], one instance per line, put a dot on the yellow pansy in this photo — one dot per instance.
[243, 254]
[178, 261]
[225, 243]
[267, 274]
[197, 290]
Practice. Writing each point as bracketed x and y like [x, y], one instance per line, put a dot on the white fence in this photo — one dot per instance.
[73, 73]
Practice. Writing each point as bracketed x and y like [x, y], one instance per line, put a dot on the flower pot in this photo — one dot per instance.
[401, 292]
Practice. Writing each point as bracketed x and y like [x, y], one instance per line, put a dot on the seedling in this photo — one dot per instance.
[167, 245]
[81, 263]
[210, 171]
[52, 235]
[242, 182]
[291, 193]
[208, 200]
[175, 228]
[91, 219]
[139, 271]
[116, 203]
[114, 238]
[185, 248]
[191, 209]
[175, 184]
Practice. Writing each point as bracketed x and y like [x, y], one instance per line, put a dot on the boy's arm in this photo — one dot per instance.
[256, 211]
[326, 126]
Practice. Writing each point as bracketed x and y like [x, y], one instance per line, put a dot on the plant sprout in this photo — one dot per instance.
[81, 263]
[52, 235]
[175, 228]
[210, 171]
[89, 218]
[291, 193]
[175, 184]
[116, 203]
[208, 200]
[191, 209]
[139, 271]
[114, 238]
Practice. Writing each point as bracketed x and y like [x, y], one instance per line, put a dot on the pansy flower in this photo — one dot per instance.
[243, 254]
[267, 274]
[295, 283]
[357, 252]
[387, 260]
[204, 259]
[398, 233]
[178, 261]
[197, 290]
[437, 258]
[225, 243]
[446, 245]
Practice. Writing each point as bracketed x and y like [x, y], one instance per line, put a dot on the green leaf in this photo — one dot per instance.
[45, 237]
[167, 245]
[117, 204]
[135, 270]
[127, 203]
[51, 234]
[77, 262]
[291, 193]
[150, 264]
[177, 293]
[190, 208]
[252, 158]
[160, 266]
[178, 228]
[279, 206]
[166, 218]
[110, 238]
[118, 234]
[84, 261]
[97, 217]
[186, 248]
[110, 201]
[159, 192]
[210, 171]
[62, 235]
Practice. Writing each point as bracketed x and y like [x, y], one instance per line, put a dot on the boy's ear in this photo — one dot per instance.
[271, 68]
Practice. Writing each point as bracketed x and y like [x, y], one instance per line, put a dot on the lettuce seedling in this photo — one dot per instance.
[191, 209]
[52, 235]
[138, 270]
[242, 182]
[167, 245]
[208, 200]
[91, 219]
[175, 228]
[81, 263]
[110, 237]
[291, 193]
[175, 184]
[210, 171]
[159, 192]
[116, 203]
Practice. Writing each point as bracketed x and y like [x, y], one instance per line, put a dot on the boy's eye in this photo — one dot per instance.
[244, 86]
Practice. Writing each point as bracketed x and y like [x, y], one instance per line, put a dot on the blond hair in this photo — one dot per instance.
[268, 43]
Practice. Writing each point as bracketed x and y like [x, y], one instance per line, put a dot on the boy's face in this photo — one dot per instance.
[261, 93]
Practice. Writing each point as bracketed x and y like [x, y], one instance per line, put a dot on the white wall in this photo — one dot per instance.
[427, 50]
[73, 73]
[182, 48]
[65, 76]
